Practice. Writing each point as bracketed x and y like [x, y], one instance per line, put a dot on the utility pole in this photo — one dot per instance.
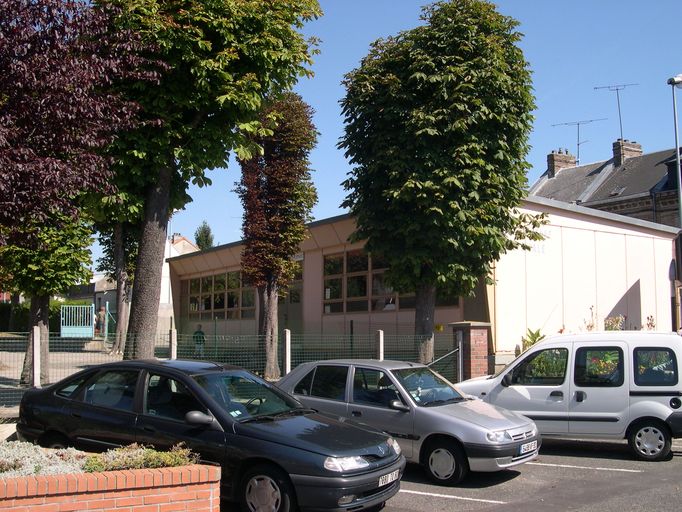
[617, 88]
[579, 142]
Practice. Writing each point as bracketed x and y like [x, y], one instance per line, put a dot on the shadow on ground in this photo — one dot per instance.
[416, 474]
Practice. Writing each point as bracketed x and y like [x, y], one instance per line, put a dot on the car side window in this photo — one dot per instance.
[303, 386]
[655, 367]
[330, 382]
[543, 368]
[373, 387]
[168, 398]
[113, 388]
[599, 367]
[70, 389]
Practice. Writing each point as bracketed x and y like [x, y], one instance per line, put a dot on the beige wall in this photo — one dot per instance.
[586, 269]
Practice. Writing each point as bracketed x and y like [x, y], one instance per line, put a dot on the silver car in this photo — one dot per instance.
[448, 433]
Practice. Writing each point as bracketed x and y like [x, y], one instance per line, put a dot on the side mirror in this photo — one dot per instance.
[198, 418]
[506, 380]
[398, 406]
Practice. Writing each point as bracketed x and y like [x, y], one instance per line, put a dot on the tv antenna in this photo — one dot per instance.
[578, 141]
[617, 88]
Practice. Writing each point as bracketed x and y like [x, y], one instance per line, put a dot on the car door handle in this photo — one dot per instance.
[559, 394]
[580, 396]
[356, 414]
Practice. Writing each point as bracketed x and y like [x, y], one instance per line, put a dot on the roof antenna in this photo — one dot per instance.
[579, 142]
[617, 88]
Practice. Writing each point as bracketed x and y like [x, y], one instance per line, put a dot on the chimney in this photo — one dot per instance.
[558, 160]
[624, 149]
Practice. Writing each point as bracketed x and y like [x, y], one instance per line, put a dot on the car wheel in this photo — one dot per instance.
[267, 489]
[54, 440]
[650, 440]
[445, 462]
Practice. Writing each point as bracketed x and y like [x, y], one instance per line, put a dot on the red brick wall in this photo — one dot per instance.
[195, 488]
[474, 351]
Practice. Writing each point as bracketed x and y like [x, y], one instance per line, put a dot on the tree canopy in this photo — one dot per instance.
[437, 122]
[203, 236]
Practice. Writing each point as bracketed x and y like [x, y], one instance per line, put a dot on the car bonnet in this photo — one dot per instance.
[481, 413]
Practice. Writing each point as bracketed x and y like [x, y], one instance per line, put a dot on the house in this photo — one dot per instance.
[592, 265]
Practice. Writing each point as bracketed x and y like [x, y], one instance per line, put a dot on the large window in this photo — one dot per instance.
[599, 367]
[543, 368]
[655, 367]
[226, 295]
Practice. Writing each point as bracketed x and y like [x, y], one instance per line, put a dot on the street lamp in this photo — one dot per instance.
[673, 82]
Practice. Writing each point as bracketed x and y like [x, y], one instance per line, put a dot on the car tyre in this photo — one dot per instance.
[54, 440]
[650, 440]
[445, 462]
[266, 488]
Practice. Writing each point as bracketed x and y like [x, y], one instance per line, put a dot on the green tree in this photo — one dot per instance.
[53, 257]
[203, 236]
[222, 57]
[437, 120]
[278, 196]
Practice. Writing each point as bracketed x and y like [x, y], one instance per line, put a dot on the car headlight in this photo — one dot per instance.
[345, 463]
[394, 444]
[499, 437]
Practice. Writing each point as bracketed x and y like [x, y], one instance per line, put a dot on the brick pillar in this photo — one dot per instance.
[476, 360]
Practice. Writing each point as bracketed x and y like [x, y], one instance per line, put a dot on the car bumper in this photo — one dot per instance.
[28, 434]
[495, 458]
[323, 493]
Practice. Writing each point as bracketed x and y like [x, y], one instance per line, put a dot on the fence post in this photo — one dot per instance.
[36, 356]
[380, 345]
[287, 351]
[173, 343]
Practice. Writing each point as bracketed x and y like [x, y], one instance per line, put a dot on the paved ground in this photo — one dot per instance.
[568, 475]
[7, 431]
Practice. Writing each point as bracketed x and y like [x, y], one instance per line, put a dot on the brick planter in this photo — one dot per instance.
[185, 488]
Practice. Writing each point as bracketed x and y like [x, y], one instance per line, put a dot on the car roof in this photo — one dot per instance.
[385, 364]
[601, 336]
[187, 366]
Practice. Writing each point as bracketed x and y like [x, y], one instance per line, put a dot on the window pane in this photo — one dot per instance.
[373, 387]
[206, 303]
[69, 390]
[332, 288]
[219, 301]
[298, 270]
[232, 300]
[232, 280]
[407, 302]
[303, 386]
[379, 287]
[383, 304]
[248, 298]
[206, 284]
[599, 367]
[357, 261]
[170, 399]
[378, 262]
[333, 265]
[194, 286]
[295, 295]
[248, 313]
[115, 389]
[330, 382]
[655, 367]
[544, 368]
[219, 283]
[356, 306]
[333, 307]
[232, 314]
[446, 298]
[356, 286]
[194, 303]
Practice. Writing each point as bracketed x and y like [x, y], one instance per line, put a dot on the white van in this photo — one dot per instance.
[608, 385]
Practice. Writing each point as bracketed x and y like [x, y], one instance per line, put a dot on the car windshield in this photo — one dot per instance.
[426, 387]
[246, 397]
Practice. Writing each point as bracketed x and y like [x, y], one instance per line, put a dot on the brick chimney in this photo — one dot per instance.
[624, 149]
[558, 160]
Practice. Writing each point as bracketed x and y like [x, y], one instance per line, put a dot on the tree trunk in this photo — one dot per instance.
[14, 305]
[268, 328]
[144, 309]
[122, 289]
[39, 317]
[425, 310]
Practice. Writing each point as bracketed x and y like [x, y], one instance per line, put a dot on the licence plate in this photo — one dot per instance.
[528, 447]
[387, 479]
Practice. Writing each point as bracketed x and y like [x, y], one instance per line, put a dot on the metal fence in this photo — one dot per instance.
[69, 355]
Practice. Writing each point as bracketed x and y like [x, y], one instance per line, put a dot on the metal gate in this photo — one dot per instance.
[77, 321]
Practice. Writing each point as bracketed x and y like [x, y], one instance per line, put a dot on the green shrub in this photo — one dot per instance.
[531, 338]
[136, 456]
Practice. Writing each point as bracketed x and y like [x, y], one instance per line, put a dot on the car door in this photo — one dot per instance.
[372, 392]
[600, 395]
[105, 414]
[325, 389]
[538, 387]
[162, 423]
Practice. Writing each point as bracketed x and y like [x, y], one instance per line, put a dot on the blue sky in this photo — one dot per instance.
[572, 47]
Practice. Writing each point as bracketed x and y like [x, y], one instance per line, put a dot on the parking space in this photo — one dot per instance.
[568, 475]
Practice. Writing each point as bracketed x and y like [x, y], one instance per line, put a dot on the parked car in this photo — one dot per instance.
[435, 425]
[610, 385]
[276, 455]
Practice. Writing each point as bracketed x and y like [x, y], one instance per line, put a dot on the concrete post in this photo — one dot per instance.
[173, 343]
[380, 345]
[36, 356]
[287, 351]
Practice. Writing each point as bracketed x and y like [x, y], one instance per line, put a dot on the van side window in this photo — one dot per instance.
[600, 367]
[543, 368]
[655, 367]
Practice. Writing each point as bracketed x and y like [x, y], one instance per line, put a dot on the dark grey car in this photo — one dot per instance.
[276, 455]
[436, 426]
